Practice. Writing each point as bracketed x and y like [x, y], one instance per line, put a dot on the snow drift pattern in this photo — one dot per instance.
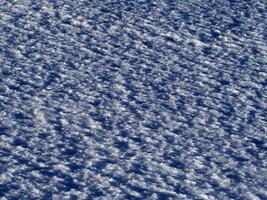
[133, 99]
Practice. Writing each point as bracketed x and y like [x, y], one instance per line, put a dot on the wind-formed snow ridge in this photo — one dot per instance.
[133, 99]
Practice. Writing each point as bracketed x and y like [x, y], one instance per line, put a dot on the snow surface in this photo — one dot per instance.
[123, 99]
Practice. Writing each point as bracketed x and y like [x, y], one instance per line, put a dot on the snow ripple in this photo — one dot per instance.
[133, 99]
